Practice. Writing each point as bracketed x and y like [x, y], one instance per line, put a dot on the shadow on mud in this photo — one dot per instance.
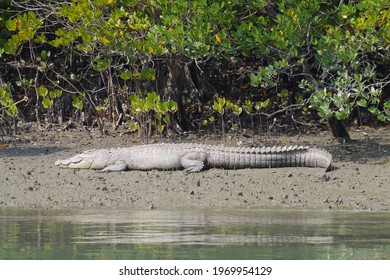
[25, 151]
[361, 151]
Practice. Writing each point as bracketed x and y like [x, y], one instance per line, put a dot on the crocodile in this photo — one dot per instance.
[194, 157]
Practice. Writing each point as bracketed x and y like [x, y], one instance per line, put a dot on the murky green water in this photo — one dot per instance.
[193, 235]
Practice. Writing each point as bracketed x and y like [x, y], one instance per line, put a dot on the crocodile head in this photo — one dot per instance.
[92, 159]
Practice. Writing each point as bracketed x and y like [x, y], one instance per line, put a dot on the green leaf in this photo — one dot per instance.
[42, 91]
[133, 99]
[44, 54]
[100, 107]
[172, 105]
[133, 126]
[12, 24]
[248, 107]
[261, 104]
[3, 94]
[47, 102]
[219, 105]
[237, 110]
[12, 45]
[152, 100]
[11, 110]
[126, 75]
[342, 115]
[374, 110]
[162, 108]
[55, 93]
[41, 39]
[101, 63]
[283, 93]
[148, 74]
[358, 77]
[362, 103]
[381, 117]
[229, 104]
[160, 127]
[77, 101]
[387, 104]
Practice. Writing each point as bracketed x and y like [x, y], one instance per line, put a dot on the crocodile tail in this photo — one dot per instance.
[299, 156]
[265, 157]
[319, 158]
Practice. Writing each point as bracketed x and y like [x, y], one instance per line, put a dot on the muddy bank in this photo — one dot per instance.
[29, 179]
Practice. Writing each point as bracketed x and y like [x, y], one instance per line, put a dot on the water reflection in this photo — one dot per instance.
[191, 228]
[187, 234]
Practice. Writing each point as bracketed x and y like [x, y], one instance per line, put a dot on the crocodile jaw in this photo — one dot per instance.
[75, 162]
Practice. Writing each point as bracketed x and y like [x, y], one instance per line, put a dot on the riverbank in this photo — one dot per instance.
[361, 181]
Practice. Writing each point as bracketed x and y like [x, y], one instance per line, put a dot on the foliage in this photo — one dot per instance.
[345, 44]
[145, 109]
[25, 27]
[48, 96]
[328, 56]
[7, 103]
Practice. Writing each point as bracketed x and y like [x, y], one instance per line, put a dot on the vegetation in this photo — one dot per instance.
[158, 66]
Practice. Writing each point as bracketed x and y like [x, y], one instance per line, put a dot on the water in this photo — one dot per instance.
[187, 234]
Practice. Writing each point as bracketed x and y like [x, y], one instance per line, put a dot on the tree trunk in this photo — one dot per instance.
[338, 129]
[175, 87]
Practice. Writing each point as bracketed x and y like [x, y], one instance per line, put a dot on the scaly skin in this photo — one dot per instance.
[196, 157]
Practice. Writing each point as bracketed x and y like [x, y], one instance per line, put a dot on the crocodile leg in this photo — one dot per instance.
[119, 165]
[194, 161]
